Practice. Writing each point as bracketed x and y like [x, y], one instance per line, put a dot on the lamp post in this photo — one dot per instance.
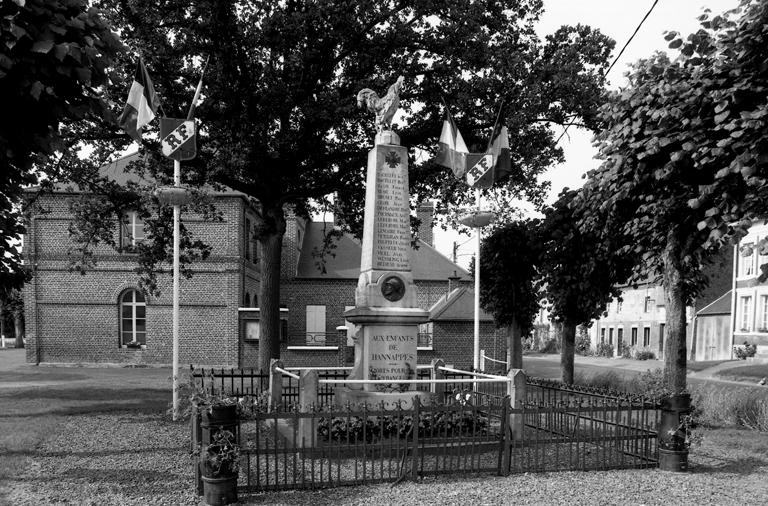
[477, 219]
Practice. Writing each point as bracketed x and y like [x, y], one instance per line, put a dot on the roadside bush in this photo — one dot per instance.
[609, 380]
[583, 344]
[745, 351]
[625, 351]
[604, 350]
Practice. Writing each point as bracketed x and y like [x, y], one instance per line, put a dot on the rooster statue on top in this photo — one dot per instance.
[384, 107]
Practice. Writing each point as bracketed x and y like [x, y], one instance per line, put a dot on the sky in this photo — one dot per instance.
[618, 20]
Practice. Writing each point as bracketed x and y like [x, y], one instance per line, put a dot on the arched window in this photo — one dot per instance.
[133, 318]
[247, 300]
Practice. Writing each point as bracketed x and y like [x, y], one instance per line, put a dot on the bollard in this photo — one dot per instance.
[437, 388]
[307, 403]
[673, 450]
[275, 384]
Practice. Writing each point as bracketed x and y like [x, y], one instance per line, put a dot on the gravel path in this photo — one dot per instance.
[134, 459]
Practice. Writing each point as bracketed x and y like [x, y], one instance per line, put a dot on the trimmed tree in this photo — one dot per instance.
[580, 270]
[508, 259]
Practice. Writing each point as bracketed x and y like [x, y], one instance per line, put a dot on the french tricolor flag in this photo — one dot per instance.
[142, 104]
[452, 151]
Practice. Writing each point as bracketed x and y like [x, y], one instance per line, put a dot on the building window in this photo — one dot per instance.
[248, 242]
[647, 305]
[764, 313]
[662, 326]
[131, 230]
[746, 313]
[315, 335]
[747, 260]
[647, 336]
[602, 336]
[618, 305]
[247, 301]
[633, 339]
[619, 336]
[133, 319]
[425, 335]
[610, 336]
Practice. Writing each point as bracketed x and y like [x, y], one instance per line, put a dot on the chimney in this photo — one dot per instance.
[425, 213]
[453, 282]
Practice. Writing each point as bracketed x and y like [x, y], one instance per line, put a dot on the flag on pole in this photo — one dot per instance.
[191, 114]
[142, 104]
[452, 151]
[502, 162]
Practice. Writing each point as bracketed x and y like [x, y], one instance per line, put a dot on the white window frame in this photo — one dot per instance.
[764, 311]
[315, 324]
[133, 335]
[426, 328]
[747, 264]
[646, 334]
[745, 312]
[129, 229]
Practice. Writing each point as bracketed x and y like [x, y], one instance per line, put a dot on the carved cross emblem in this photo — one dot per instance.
[392, 159]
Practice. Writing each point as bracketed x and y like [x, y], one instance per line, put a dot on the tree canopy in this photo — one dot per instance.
[54, 59]
[279, 120]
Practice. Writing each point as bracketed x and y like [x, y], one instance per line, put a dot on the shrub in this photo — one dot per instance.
[550, 346]
[609, 380]
[625, 351]
[745, 351]
[354, 429]
[604, 350]
[644, 354]
[583, 344]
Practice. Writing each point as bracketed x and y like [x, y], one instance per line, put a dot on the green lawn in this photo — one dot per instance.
[700, 366]
[748, 373]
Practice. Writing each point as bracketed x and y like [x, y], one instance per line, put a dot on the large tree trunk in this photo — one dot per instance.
[18, 325]
[567, 350]
[674, 344]
[514, 346]
[271, 241]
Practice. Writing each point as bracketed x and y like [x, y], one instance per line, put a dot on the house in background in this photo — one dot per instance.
[103, 317]
[749, 303]
[639, 318]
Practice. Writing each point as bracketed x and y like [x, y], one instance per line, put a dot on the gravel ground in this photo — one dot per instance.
[138, 459]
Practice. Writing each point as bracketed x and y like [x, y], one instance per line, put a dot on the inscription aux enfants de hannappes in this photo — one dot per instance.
[391, 250]
[391, 356]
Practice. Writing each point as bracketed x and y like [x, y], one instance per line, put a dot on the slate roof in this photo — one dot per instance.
[459, 305]
[721, 305]
[344, 261]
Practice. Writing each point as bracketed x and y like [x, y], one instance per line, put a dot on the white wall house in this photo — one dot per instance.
[749, 321]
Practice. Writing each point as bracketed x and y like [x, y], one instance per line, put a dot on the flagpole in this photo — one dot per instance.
[476, 362]
[176, 214]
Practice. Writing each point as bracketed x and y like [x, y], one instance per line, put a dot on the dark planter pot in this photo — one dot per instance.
[220, 491]
[673, 452]
[673, 460]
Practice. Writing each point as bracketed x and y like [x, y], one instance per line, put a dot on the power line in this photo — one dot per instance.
[618, 55]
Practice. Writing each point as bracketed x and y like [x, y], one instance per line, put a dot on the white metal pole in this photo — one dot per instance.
[476, 363]
[176, 213]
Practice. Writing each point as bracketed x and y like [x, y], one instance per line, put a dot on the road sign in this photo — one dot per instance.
[480, 169]
[179, 138]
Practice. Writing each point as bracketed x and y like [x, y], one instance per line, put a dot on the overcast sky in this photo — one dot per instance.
[617, 19]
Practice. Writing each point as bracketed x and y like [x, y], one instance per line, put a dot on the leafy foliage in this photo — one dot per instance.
[604, 350]
[745, 351]
[221, 458]
[54, 58]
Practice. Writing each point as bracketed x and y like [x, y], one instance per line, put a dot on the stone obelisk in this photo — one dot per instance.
[386, 311]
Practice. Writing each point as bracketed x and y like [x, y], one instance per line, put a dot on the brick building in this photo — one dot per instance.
[102, 316]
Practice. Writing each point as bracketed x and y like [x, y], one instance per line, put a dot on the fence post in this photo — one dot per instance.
[505, 453]
[196, 445]
[415, 429]
[341, 335]
[275, 384]
[482, 360]
[435, 373]
[307, 403]
[516, 393]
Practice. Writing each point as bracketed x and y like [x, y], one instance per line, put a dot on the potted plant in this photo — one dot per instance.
[221, 463]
